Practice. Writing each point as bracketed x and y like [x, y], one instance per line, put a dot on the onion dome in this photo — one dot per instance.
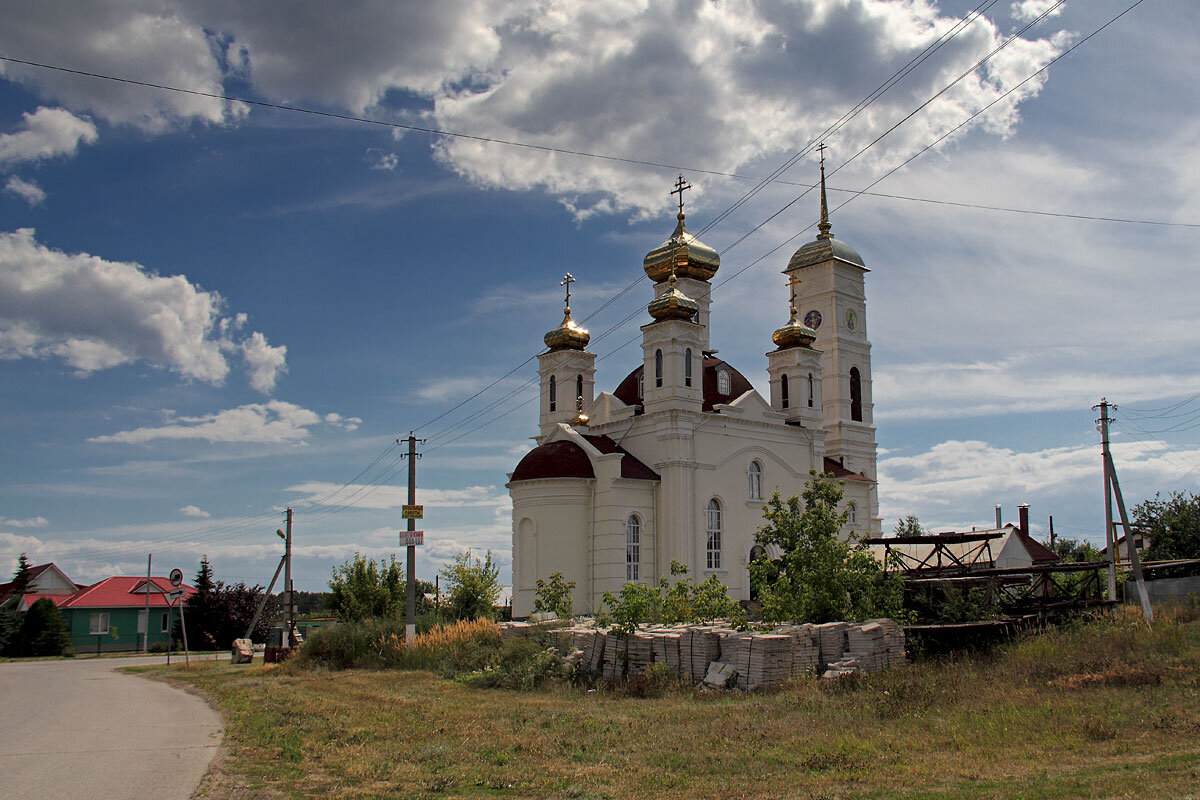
[691, 257]
[825, 246]
[794, 334]
[568, 335]
[673, 304]
[561, 459]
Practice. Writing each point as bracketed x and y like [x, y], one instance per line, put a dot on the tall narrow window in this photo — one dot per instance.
[658, 368]
[783, 390]
[641, 384]
[855, 395]
[810, 390]
[723, 382]
[633, 547]
[687, 367]
[579, 391]
[553, 393]
[713, 549]
[754, 478]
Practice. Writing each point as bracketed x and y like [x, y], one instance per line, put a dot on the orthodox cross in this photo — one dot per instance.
[792, 281]
[681, 186]
[567, 280]
[821, 148]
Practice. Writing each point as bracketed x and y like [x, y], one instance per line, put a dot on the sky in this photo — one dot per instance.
[212, 309]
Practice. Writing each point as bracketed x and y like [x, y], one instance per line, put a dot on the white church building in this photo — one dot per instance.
[676, 461]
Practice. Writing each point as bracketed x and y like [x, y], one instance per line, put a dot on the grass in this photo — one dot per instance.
[1106, 710]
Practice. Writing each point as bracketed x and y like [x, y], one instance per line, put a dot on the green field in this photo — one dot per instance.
[1111, 709]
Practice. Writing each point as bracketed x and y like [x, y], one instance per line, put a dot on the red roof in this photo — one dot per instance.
[627, 390]
[838, 471]
[631, 467]
[29, 599]
[561, 459]
[118, 592]
[6, 588]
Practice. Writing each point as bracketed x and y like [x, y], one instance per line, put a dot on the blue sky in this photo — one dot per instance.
[210, 311]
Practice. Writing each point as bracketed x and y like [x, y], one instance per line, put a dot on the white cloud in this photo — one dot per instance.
[381, 161]
[194, 511]
[31, 522]
[264, 363]
[382, 497]
[46, 133]
[273, 422]
[1029, 10]
[335, 420]
[28, 191]
[95, 314]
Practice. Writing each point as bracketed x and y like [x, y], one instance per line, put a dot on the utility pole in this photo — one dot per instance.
[1110, 545]
[410, 579]
[290, 613]
[146, 635]
[1051, 531]
[1113, 487]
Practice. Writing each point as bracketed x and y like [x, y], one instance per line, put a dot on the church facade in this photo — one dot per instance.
[676, 461]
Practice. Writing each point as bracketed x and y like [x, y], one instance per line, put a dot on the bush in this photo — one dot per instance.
[158, 647]
[684, 601]
[10, 632]
[44, 632]
[348, 645]
[472, 587]
[522, 664]
[555, 596]
[446, 649]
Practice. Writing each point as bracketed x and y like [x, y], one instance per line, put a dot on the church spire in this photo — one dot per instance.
[823, 226]
[568, 335]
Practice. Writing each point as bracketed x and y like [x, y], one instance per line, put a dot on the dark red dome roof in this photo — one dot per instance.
[627, 390]
[560, 459]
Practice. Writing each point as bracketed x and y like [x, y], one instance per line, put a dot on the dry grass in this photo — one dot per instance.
[1108, 710]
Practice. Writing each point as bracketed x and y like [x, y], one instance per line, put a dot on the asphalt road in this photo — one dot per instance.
[72, 729]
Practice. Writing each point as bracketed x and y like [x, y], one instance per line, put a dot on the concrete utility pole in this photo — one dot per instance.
[410, 579]
[1110, 544]
[287, 581]
[146, 635]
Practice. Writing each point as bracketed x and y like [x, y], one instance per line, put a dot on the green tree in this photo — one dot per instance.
[472, 586]
[20, 581]
[44, 631]
[908, 526]
[362, 588]
[201, 610]
[817, 576]
[1172, 526]
[669, 602]
[10, 631]
[555, 596]
[1076, 550]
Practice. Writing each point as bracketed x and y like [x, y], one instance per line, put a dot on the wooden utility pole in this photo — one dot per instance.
[290, 614]
[410, 575]
[1110, 544]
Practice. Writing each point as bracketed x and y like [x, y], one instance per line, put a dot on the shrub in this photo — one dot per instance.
[446, 649]
[10, 631]
[555, 596]
[348, 645]
[521, 664]
[473, 587]
[682, 602]
[44, 632]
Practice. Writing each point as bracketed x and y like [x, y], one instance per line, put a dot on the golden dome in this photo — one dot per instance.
[673, 304]
[691, 257]
[568, 335]
[794, 334]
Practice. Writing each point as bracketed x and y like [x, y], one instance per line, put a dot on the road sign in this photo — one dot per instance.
[176, 577]
[412, 538]
[412, 512]
[174, 595]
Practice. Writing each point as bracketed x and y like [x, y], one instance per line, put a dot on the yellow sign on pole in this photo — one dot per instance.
[412, 512]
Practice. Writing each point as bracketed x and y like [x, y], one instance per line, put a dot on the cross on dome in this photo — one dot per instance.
[681, 186]
[567, 280]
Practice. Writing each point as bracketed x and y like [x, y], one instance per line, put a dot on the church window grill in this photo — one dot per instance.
[783, 390]
[754, 478]
[723, 382]
[713, 548]
[810, 390]
[687, 367]
[658, 371]
[633, 547]
[553, 393]
[855, 395]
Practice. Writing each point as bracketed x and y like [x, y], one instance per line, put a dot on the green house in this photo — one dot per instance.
[111, 615]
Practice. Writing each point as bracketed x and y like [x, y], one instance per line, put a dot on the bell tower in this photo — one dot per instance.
[566, 372]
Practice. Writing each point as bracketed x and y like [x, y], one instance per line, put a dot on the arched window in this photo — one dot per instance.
[579, 391]
[553, 393]
[855, 395]
[658, 368]
[754, 478]
[853, 518]
[783, 390]
[641, 384]
[810, 390]
[633, 547]
[713, 547]
[687, 367]
[723, 382]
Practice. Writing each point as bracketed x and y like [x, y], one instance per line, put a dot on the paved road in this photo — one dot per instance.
[73, 729]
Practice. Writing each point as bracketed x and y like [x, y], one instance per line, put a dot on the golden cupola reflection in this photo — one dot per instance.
[568, 335]
[673, 304]
[795, 333]
[685, 254]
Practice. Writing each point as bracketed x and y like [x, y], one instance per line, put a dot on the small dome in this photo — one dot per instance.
[692, 257]
[673, 304]
[568, 335]
[823, 249]
[561, 459]
[794, 334]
